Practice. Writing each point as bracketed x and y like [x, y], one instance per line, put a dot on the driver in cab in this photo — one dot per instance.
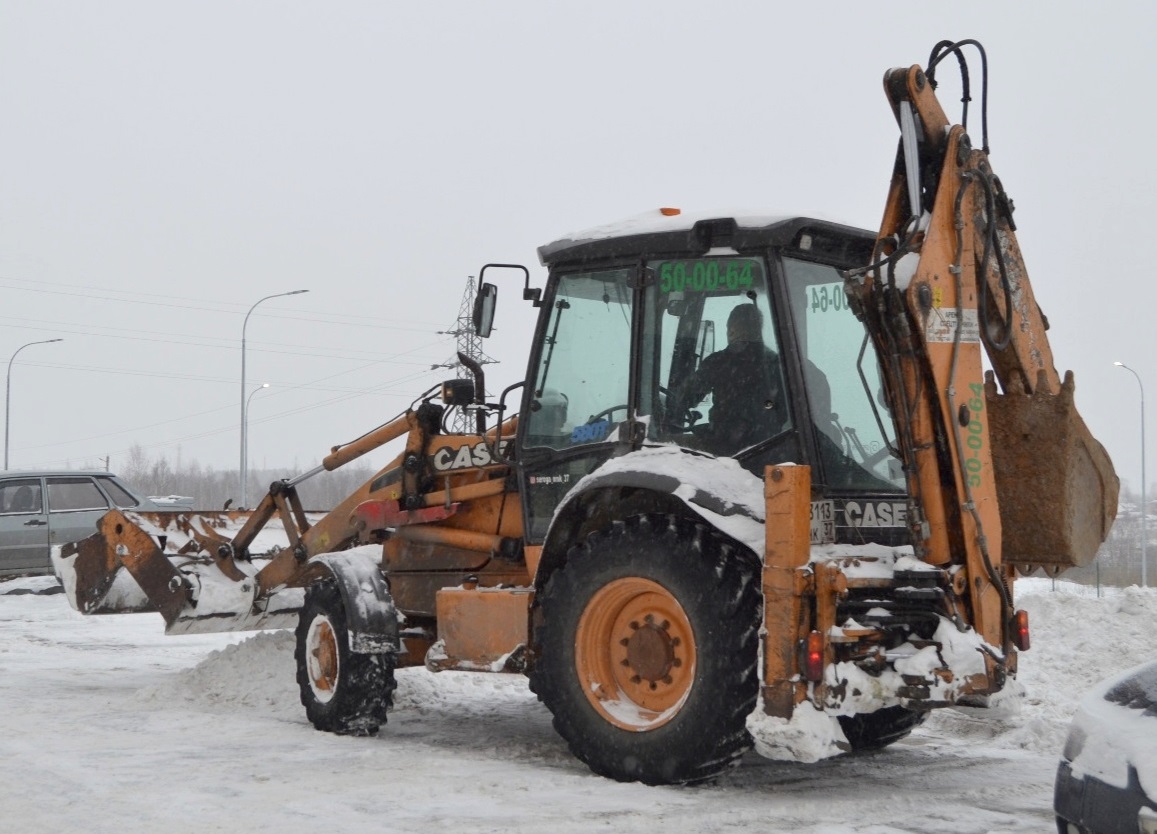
[744, 383]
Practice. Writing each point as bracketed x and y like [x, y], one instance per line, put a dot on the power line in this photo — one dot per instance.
[382, 390]
[134, 297]
[225, 343]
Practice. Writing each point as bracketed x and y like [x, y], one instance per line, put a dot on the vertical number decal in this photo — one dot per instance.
[974, 441]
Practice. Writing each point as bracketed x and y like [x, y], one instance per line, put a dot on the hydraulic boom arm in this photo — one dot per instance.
[999, 478]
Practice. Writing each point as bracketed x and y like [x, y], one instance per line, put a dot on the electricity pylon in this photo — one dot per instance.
[469, 344]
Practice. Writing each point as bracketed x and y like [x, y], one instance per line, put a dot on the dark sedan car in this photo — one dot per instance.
[1107, 779]
[40, 509]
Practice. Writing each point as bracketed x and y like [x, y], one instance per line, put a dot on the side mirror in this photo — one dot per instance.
[484, 304]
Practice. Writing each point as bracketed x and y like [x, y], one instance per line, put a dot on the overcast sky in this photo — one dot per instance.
[165, 165]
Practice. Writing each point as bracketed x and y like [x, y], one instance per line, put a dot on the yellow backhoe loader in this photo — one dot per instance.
[756, 468]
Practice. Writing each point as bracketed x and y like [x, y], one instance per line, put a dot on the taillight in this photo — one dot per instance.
[1020, 637]
[813, 659]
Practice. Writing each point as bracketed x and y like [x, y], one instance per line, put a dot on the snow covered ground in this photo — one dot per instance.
[107, 725]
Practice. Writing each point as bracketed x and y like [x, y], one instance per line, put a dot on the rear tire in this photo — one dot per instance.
[342, 691]
[876, 730]
[648, 648]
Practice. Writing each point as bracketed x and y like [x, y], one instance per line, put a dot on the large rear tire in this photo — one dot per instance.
[875, 730]
[342, 691]
[648, 648]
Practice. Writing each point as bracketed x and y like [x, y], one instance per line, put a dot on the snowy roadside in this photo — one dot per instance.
[109, 725]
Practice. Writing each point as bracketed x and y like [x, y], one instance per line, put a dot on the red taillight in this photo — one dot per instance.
[813, 658]
[1020, 637]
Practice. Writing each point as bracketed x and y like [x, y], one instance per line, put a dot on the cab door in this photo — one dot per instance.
[23, 527]
[853, 451]
[577, 406]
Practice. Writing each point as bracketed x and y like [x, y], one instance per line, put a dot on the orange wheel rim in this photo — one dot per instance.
[635, 654]
[322, 659]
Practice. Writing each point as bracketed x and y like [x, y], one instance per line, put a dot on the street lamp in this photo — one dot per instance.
[244, 402]
[248, 400]
[1144, 532]
[8, 391]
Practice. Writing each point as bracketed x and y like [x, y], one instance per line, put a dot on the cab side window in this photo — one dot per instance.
[849, 412]
[580, 389]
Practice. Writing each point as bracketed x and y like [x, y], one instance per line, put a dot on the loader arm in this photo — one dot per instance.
[201, 579]
[187, 567]
[998, 477]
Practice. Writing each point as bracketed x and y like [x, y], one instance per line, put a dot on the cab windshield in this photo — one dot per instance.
[712, 372]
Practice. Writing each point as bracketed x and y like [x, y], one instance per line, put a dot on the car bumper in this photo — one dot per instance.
[1101, 808]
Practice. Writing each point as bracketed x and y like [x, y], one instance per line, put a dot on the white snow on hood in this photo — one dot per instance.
[1107, 737]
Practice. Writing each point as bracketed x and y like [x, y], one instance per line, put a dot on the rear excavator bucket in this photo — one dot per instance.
[174, 563]
[1055, 482]
[1055, 487]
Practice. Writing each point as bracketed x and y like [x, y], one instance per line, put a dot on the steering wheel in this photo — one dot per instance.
[606, 413]
[868, 460]
[684, 420]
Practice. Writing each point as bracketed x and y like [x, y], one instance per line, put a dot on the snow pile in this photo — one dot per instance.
[258, 673]
[112, 726]
[1077, 641]
[808, 736]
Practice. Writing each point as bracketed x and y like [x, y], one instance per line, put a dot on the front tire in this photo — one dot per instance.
[342, 691]
[648, 646]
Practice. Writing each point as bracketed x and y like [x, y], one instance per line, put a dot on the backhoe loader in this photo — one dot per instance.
[756, 468]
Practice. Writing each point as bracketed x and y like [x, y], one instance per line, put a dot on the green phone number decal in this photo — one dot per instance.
[825, 297]
[707, 274]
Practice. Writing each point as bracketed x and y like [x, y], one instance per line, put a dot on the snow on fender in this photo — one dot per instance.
[371, 614]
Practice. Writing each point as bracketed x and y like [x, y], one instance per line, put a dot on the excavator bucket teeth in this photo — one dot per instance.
[1055, 482]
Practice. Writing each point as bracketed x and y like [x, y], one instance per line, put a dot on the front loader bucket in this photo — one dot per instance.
[1056, 484]
[166, 562]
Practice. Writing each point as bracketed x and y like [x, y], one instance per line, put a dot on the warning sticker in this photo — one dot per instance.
[941, 325]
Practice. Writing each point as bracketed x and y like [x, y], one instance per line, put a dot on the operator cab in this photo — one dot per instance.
[729, 336]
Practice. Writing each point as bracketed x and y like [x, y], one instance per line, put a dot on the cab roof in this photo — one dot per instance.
[694, 233]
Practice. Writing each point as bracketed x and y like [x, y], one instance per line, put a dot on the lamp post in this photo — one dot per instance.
[248, 400]
[244, 401]
[1144, 532]
[8, 391]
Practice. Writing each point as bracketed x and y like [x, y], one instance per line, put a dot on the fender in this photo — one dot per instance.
[371, 617]
[658, 479]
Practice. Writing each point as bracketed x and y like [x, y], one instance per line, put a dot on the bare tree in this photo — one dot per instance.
[212, 490]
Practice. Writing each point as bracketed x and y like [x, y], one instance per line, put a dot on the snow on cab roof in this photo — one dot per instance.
[668, 220]
[660, 222]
